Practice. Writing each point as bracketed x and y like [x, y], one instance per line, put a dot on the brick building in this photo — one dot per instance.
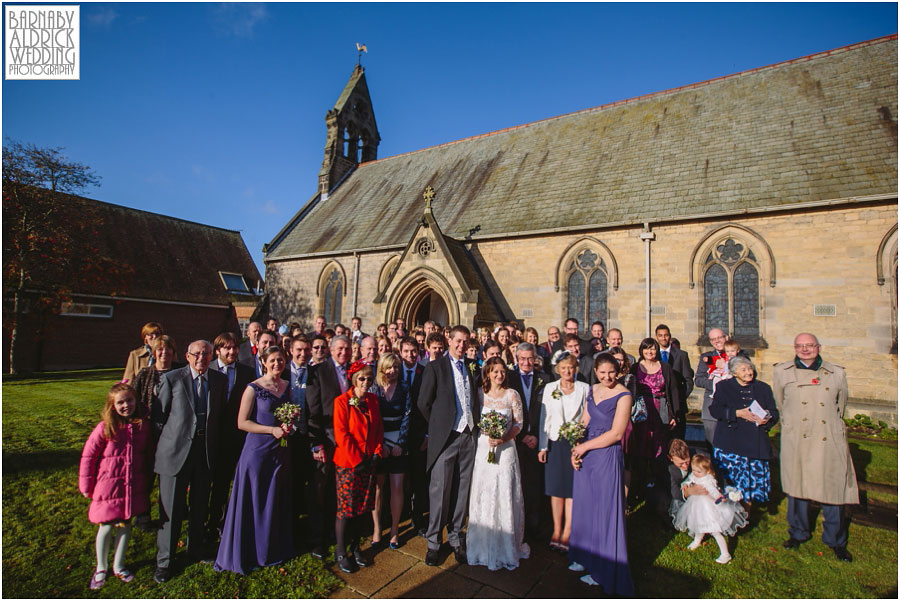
[763, 202]
[195, 280]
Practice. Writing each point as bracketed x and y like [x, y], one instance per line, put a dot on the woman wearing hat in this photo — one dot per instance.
[358, 435]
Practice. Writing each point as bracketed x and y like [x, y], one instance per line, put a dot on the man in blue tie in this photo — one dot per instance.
[301, 460]
[266, 339]
[239, 376]
[681, 367]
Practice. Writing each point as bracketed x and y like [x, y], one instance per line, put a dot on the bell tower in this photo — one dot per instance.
[352, 134]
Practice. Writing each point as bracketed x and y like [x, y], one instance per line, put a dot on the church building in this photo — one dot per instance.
[763, 203]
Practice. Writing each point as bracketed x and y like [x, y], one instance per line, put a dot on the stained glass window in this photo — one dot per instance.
[715, 297]
[587, 289]
[746, 300]
[731, 290]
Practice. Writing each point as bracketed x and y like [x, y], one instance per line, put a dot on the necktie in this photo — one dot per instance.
[665, 356]
[409, 378]
[230, 371]
[527, 379]
[200, 402]
[253, 348]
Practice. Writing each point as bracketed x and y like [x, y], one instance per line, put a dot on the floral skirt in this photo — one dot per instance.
[750, 476]
[355, 491]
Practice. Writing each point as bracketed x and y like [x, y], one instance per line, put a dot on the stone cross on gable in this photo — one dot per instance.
[428, 195]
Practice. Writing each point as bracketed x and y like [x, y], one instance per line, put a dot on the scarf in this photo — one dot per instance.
[815, 364]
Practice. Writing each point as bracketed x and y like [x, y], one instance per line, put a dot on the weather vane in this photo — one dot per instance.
[428, 195]
[360, 48]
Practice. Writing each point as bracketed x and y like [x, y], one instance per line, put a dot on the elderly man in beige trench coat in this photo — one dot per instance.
[815, 459]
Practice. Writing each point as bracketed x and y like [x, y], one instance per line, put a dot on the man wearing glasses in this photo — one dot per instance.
[319, 350]
[702, 380]
[188, 422]
[811, 395]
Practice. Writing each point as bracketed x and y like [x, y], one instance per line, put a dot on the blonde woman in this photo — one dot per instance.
[395, 406]
[563, 402]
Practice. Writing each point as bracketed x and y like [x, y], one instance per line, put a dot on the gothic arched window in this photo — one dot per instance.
[333, 295]
[731, 290]
[587, 286]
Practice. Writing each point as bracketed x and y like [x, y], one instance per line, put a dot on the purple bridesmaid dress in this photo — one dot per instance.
[598, 507]
[257, 530]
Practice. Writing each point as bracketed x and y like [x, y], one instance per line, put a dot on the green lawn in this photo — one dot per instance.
[48, 544]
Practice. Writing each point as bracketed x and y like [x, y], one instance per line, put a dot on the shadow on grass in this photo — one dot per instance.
[43, 461]
[861, 460]
[88, 375]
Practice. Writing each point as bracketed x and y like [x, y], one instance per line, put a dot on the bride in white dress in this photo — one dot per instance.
[496, 508]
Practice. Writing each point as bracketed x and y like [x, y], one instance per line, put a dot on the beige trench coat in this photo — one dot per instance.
[815, 457]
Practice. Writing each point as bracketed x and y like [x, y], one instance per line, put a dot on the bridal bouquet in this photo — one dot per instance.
[288, 414]
[493, 425]
[573, 432]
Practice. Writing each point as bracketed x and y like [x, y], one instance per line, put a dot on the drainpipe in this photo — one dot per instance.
[648, 237]
[355, 283]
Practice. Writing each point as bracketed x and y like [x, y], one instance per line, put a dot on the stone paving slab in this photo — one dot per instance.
[386, 567]
[515, 583]
[426, 582]
[488, 592]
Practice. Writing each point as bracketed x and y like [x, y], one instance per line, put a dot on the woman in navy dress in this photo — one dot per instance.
[597, 544]
[257, 528]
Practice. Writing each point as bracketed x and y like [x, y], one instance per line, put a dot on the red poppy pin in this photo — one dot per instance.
[815, 380]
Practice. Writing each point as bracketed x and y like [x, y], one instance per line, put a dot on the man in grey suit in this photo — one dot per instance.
[681, 367]
[187, 420]
[449, 403]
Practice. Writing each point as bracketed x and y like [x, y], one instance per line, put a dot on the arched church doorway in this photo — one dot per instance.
[419, 299]
[430, 306]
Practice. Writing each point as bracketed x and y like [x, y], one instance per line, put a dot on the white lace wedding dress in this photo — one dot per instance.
[496, 508]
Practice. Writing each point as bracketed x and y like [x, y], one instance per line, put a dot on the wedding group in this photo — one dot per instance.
[476, 435]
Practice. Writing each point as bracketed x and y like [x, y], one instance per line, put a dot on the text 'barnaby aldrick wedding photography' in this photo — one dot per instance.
[42, 42]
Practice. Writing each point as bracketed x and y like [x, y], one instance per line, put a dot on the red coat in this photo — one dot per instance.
[116, 474]
[357, 433]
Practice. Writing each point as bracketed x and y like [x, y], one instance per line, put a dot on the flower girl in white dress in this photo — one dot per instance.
[710, 513]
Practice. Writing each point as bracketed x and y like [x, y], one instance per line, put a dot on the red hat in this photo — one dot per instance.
[357, 366]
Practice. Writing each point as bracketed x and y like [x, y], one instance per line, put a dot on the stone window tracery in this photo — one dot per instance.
[333, 296]
[731, 290]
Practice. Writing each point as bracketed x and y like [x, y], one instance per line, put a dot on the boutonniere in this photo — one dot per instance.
[557, 394]
[540, 382]
[358, 403]
[472, 367]
[815, 381]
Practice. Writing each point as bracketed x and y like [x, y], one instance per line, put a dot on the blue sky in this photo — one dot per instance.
[215, 112]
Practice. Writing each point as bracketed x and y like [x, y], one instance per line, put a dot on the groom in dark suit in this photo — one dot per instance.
[681, 367]
[449, 402]
[188, 421]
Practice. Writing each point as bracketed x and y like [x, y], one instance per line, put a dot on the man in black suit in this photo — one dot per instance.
[265, 340]
[239, 376]
[681, 368]
[529, 383]
[449, 402]
[325, 382]
[585, 361]
[298, 376]
[187, 419]
[417, 439]
[247, 351]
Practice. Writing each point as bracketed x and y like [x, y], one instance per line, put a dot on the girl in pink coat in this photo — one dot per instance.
[115, 474]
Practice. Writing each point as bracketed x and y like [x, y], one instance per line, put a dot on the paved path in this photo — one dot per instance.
[402, 573]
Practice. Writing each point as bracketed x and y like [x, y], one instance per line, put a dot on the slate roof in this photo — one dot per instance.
[821, 127]
[173, 259]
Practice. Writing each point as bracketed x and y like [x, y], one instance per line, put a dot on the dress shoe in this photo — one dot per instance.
[423, 532]
[792, 543]
[318, 552]
[842, 553]
[432, 557]
[460, 554]
[347, 565]
[361, 560]
[162, 575]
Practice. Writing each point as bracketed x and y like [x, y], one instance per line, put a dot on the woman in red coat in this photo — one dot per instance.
[358, 436]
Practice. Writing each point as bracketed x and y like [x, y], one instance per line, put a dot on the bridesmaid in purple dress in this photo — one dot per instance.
[257, 528]
[597, 544]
